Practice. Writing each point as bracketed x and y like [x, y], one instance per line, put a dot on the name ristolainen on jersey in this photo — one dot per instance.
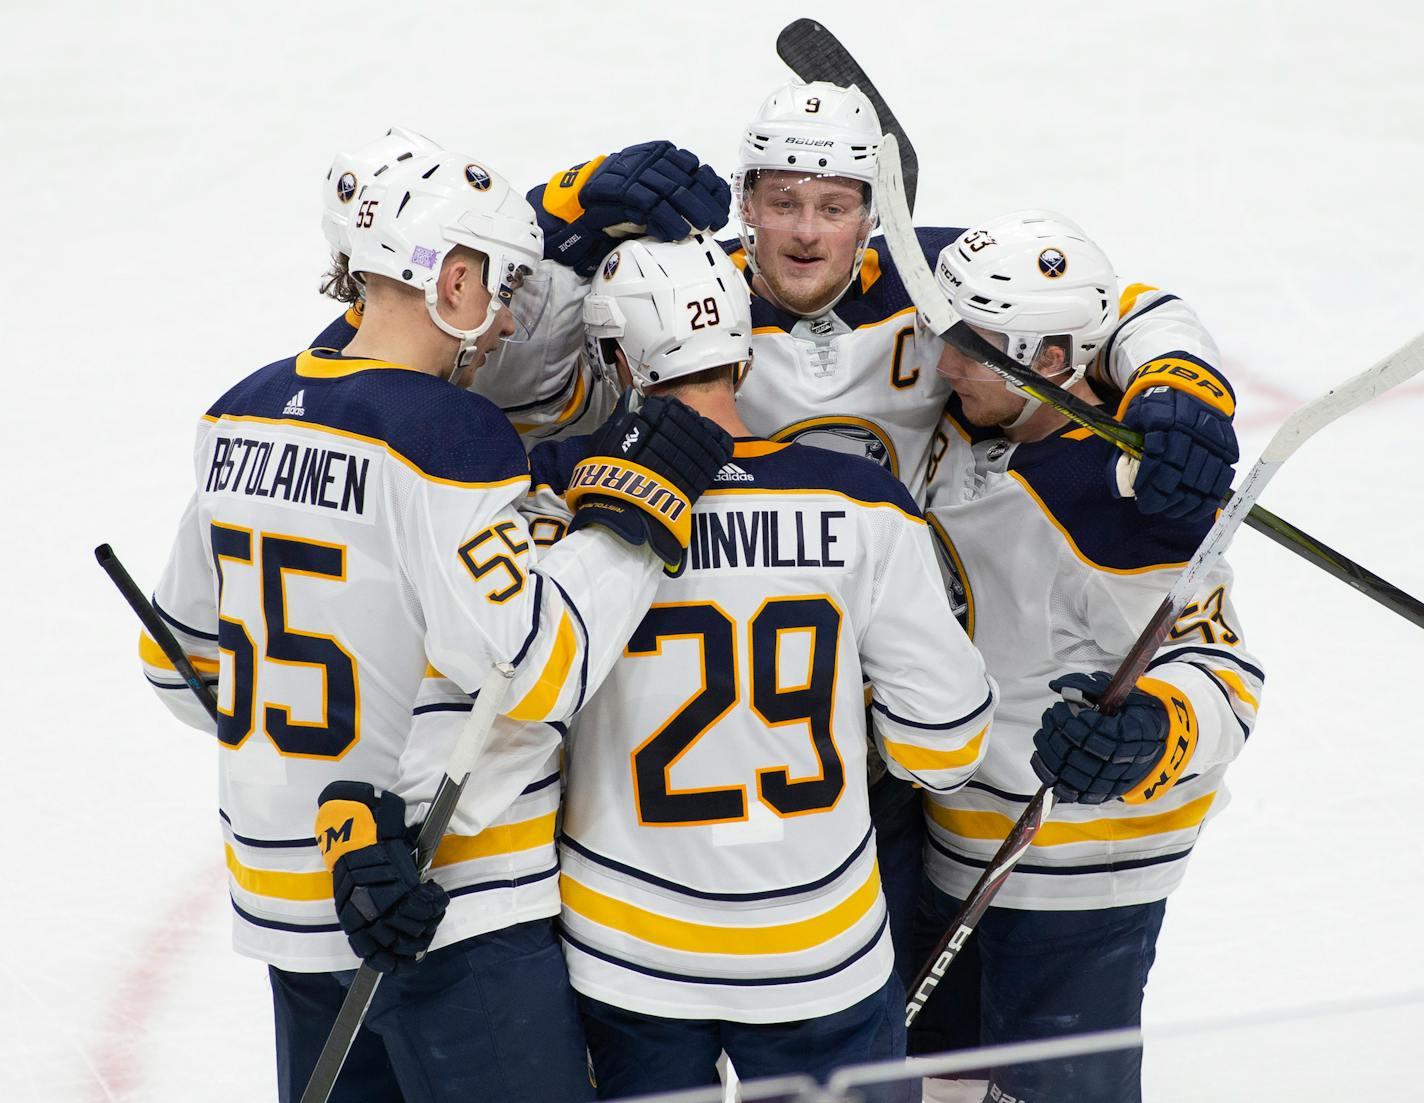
[290, 472]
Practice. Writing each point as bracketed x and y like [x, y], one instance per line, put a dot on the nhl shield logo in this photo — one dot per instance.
[1052, 263]
[477, 177]
[346, 187]
[611, 265]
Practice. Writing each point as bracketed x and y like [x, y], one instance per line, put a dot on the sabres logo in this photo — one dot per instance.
[611, 265]
[853, 436]
[477, 177]
[1052, 263]
[346, 187]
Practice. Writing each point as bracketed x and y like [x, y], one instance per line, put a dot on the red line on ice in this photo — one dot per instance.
[124, 1036]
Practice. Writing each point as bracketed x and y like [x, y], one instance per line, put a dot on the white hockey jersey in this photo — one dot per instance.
[718, 857]
[350, 565]
[1050, 574]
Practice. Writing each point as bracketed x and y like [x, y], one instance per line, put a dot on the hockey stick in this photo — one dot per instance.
[936, 312]
[154, 626]
[814, 53]
[1304, 423]
[472, 739]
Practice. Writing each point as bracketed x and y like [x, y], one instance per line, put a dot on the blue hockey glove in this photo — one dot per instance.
[389, 915]
[648, 464]
[1183, 410]
[1135, 755]
[652, 188]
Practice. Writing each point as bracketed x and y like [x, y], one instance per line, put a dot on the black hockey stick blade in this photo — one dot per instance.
[814, 53]
[155, 627]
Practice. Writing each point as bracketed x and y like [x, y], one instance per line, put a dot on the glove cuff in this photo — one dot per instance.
[561, 196]
[1182, 733]
[343, 826]
[656, 497]
[1181, 374]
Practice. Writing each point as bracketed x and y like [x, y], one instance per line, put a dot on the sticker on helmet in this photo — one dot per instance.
[611, 265]
[346, 187]
[424, 257]
[1052, 263]
[477, 177]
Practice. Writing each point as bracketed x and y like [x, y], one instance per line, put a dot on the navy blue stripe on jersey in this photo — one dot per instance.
[734, 897]
[988, 700]
[1105, 356]
[444, 431]
[1230, 700]
[1070, 478]
[178, 624]
[270, 844]
[443, 706]
[739, 982]
[542, 783]
[508, 883]
[279, 925]
[1000, 793]
[1064, 871]
[175, 685]
[1176, 654]
[538, 605]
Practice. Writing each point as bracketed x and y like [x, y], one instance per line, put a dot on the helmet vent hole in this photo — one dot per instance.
[996, 276]
[403, 202]
[406, 156]
[979, 300]
[431, 171]
[380, 170]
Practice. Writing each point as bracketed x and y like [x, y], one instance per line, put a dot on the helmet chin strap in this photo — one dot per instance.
[748, 236]
[467, 337]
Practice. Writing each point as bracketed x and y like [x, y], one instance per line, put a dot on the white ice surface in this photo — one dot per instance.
[160, 223]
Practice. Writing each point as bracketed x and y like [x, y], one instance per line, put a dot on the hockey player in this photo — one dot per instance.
[1054, 578]
[842, 364]
[539, 379]
[350, 565]
[720, 885]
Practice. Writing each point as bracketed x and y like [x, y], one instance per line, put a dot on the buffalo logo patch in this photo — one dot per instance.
[477, 177]
[1052, 263]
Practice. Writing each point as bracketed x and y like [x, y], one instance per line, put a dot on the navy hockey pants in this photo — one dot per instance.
[1026, 975]
[898, 814]
[490, 1017]
[637, 1054]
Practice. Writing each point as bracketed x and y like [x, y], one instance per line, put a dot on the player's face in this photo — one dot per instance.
[986, 401]
[808, 230]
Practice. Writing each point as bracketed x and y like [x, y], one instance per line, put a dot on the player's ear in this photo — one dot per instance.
[625, 374]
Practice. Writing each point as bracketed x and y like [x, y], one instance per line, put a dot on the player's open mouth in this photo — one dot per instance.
[798, 261]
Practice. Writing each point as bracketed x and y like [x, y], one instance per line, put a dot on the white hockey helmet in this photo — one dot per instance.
[1032, 276]
[675, 308]
[813, 130]
[350, 171]
[409, 218]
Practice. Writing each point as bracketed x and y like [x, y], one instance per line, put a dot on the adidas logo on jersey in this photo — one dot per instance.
[731, 473]
[296, 405]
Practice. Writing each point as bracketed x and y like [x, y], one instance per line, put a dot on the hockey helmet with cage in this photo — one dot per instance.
[1031, 277]
[810, 131]
[350, 171]
[410, 217]
[674, 308]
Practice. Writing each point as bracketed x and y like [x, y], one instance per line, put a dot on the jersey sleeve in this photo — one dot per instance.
[489, 593]
[185, 601]
[932, 697]
[1203, 671]
[1160, 341]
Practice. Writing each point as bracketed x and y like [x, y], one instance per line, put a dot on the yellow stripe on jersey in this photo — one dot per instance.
[502, 838]
[1130, 294]
[377, 441]
[540, 700]
[571, 408]
[152, 654]
[711, 938]
[746, 449]
[1238, 687]
[917, 758]
[1073, 544]
[869, 270]
[1078, 434]
[355, 312]
[992, 826]
[278, 883]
